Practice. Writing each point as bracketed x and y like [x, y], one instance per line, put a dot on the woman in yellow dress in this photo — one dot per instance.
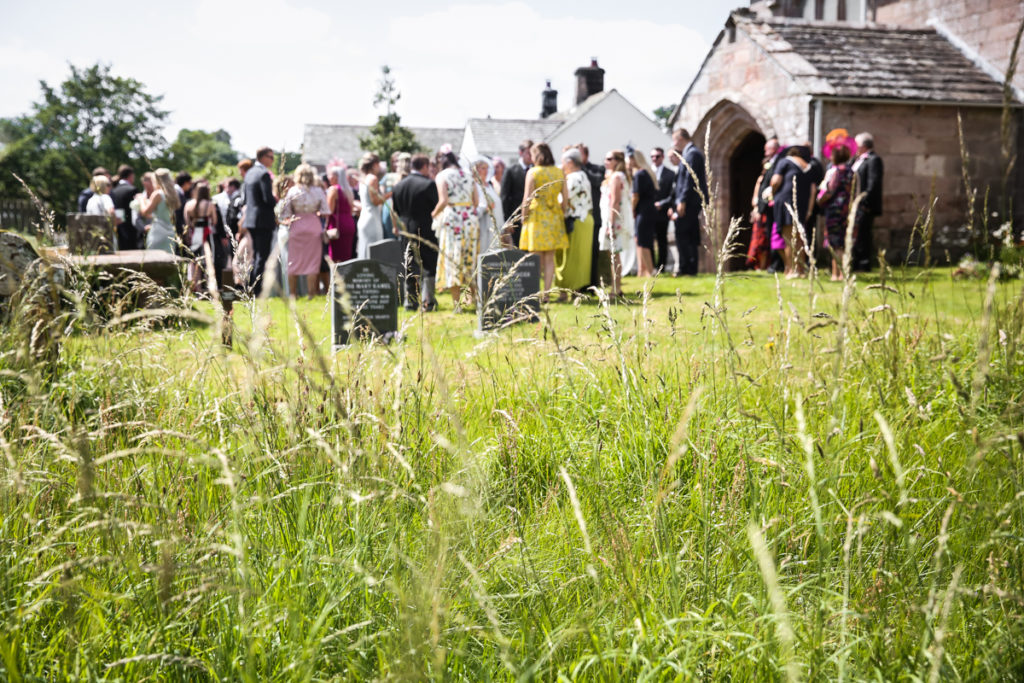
[544, 206]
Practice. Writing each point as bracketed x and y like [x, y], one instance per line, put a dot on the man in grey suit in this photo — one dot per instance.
[260, 220]
[691, 193]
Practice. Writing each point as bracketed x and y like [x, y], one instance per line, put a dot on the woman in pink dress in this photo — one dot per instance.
[341, 225]
[300, 210]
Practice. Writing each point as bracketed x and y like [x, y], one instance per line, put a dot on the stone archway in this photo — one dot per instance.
[729, 132]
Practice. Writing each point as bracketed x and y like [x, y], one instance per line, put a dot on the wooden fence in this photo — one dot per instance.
[20, 215]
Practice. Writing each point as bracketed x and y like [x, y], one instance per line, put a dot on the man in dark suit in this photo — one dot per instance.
[691, 192]
[663, 203]
[415, 197]
[122, 195]
[513, 186]
[596, 175]
[183, 186]
[870, 173]
[259, 221]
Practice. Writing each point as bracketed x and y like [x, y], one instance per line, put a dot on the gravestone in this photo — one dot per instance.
[16, 255]
[508, 284]
[388, 252]
[89, 234]
[365, 301]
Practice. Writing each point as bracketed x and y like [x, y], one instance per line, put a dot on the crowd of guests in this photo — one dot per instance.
[589, 224]
[795, 190]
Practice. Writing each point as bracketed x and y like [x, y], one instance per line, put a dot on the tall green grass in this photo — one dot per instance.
[820, 485]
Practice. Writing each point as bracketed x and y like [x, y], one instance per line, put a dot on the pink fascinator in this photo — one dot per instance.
[838, 137]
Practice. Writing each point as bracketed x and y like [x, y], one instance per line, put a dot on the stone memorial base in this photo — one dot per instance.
[164, 268]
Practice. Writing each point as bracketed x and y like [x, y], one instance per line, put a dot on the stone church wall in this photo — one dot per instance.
[921, 151]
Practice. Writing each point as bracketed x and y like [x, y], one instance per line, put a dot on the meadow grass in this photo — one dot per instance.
[739, 478]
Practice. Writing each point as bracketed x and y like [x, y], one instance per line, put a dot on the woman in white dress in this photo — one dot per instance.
[492, 216]
[616, 215]
[160, 206]
[370, 227]
[100, 203]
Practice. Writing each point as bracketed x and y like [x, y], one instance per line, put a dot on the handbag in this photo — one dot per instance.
[332, 234]
[570, 223]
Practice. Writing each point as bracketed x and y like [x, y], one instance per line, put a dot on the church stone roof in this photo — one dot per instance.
[501, 137]
[323, 143]
[874, 62]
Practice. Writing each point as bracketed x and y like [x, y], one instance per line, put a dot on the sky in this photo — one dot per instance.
[262, 69]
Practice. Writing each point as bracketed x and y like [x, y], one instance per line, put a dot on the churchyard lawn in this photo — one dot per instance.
[788, 484]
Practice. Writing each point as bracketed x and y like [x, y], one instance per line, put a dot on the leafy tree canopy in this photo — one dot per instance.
[91, 119]
[194, 149]
[663, 114]
[388, 135]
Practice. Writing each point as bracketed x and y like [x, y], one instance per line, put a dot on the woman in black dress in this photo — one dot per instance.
[792, 186]
[645, 191]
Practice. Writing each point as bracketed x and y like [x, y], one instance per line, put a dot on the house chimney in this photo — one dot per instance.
[589, 80]
[548, 101]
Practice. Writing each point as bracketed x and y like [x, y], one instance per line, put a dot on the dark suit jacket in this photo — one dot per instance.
[415, 197]
[513, 186]
[763, 207]
[870, 174]
[666, 193]
[122, 196]
[596, 175]
[259, 200]
[686, 188]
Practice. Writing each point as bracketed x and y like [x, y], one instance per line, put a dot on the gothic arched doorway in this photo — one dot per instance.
[735, 145]
[744, 170]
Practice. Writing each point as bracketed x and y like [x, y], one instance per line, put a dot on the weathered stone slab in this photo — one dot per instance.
[164, 268]
[89, 234]
[16, 255]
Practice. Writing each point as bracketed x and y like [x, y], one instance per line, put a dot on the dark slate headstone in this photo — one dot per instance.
[365, 301]
[89, 234]
[508, 284]
[388, 252]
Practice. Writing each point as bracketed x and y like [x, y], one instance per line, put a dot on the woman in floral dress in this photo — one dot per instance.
[544, 206]
[834, 199]
[457, 227]
[616, 215]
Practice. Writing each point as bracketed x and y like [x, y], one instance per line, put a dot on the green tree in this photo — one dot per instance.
[92, 119]
[663, 114]
[387, 135]
[193, 150]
